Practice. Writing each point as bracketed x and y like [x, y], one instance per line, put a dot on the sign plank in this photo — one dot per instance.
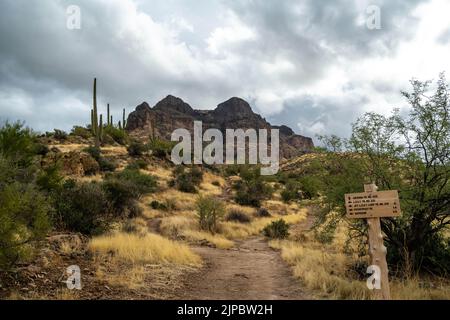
[372, 204]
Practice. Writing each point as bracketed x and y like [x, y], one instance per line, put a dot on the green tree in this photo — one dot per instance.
[410, 153]
[24, 220]
[17, 143]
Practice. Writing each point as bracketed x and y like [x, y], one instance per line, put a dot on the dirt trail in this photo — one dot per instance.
[252, 270]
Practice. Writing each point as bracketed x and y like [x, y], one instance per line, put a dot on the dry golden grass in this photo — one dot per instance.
[216, 239]
[183, 201]
[150, 248]
[135, 225]
[68, 247]
[131, 277]
[279, 207]
[91, 178]
[250, 211]
[235, 230]
[175, 226]
[69, 147]
[208, 188]
[415, 289]
[114, 151]
[163, 174]
[186, 227]
[321, 271]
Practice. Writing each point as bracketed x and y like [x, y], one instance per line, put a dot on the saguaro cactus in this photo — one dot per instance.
[108, 116]
[100, 129]
[92, 120]
[124, 122]
[95, 117]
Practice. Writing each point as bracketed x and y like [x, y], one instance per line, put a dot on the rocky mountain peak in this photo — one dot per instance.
[172, 103]
[143, 107]
[233, 108]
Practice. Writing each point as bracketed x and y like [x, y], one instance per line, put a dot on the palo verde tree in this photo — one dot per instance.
[410, 153]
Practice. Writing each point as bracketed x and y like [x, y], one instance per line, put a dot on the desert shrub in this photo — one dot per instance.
[95, 152]
[17, 143]
[10, 172]
[277, 230]
[122, 195]
[106, 165]
[237, 216]
[263, 212]
[49, 179]
[170, 204]
[136, 148]
[59, 134]
[166, 205]
[157, 205]
[120, 191]
[137, 164]
[197, 175]
[118, 135]
[209, 210]
[107, 140]
[291, 191]
[234, 169]
[251, 189]
[187, 180]
[160, 148]
[90, 165]
[40, 149]
[133, 210]
[139, 182]
[82, 207]
[24, 216]
[310, 186]
[81, 132]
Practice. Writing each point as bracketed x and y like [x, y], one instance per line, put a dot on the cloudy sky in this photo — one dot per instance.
[313, 65]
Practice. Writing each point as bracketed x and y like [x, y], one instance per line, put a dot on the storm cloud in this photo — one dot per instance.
[313, 65]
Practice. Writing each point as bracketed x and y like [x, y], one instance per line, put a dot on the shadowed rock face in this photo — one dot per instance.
[172, 113]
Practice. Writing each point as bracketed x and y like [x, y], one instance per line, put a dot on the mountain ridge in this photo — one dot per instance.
[172, 113]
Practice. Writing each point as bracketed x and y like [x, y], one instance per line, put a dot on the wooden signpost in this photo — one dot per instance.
[373, 205]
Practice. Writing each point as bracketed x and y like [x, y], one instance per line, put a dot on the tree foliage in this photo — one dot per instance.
[410, 153]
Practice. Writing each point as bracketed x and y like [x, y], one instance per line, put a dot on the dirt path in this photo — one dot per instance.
[252, 270]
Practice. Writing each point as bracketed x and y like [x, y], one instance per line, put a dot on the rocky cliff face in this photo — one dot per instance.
[172, 113]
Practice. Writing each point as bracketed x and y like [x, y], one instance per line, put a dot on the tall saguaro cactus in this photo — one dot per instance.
[100, 129]
[96, 128]
[108, 116]
[94, 119]
[124, 121]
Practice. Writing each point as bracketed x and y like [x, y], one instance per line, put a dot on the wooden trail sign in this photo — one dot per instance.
[372, 205]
